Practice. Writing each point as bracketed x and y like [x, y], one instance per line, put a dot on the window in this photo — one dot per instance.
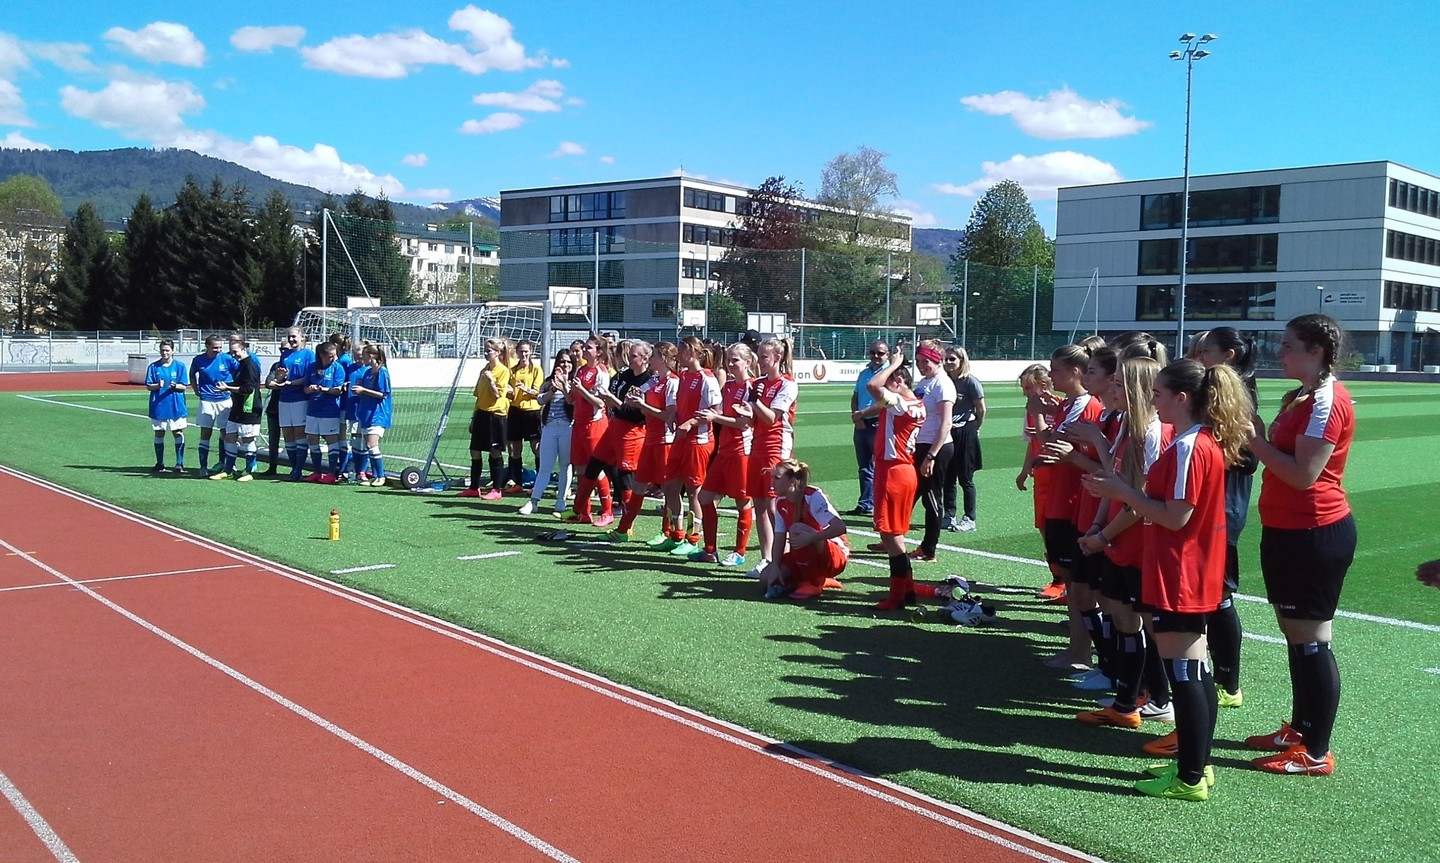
[715, 201]
[693, 268]
[1250, 301]
[664, 309]
[1409, 247]
[581, 274]
[581, 241]
[449, 248]
[1416, 199]
[1255, 253]
[1250, 205]
[701, 234]
[1408, 297]
[612, 308]
[591, 205]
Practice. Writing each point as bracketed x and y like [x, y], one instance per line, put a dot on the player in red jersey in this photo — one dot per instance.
[618, 454]
[1040, 405]
[772, 408]
[588, 427]
[651, 399]
[810, 548]
[727, 474]
[1307, 538]
[1183, 571]
[696, 391]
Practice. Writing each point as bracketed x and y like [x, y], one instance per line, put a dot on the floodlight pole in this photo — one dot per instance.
[965, 307]
[1190, 54]
[595, 301]
[470, 262]
[705, 330]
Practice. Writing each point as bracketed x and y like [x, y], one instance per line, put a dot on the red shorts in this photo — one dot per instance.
[621, 445]
[651, 469]
[584, 440]
[895, 486]
[726, 476]
[688, 461]
[1041, 481]
[761, 480]
[814, 563]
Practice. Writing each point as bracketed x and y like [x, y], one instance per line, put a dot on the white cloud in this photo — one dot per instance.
[1060, 114]
[17, 141]
[498, 122]
[1039, 175]
[12, 54]
[569, 148]
[140, 108]
[12, 107]
[266, 39]
[161, 42]
[919, 218]
[428, 194]
[607, 160]
[415, 160]
[540, 97]
[394, 55]
[320, 166]
[70, 56]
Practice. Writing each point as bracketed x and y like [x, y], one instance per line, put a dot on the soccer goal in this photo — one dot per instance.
[434, 354]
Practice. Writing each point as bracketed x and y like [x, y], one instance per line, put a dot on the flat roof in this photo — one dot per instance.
[1256, 171]
[640, 182]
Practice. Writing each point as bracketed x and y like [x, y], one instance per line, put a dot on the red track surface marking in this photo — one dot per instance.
[127, 722]
[43, 382]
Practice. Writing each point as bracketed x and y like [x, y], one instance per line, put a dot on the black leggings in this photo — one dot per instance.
[931, 492]
[620, 480]
[960, 469]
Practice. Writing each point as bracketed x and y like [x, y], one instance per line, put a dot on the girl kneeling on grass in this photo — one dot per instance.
[810, 548]
[1183, 572]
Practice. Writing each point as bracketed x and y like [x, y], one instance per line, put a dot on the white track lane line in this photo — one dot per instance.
[818, 765]
[122, 577]
[369, 749]
[371, 567]
[57, 847]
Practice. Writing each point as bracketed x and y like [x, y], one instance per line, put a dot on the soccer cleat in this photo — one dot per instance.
[245, 477]
[469, 492]
[920, 555]
[734, 558]
[604, 518]
[685, 548]
[657, 540]
[314, 477]
[527, 508]
[1052, 591]
[1165, 747]
[701, 556]
[1228, 700]
[1169, 787]
[966, 525]
[804, 592]
[670, 544]
[949, 523]
[1110, 716]
[1094, 681]
[776, 591]
[875, 546]
[619, 535]
[514, 488]
[328, 479]
[159, 468]
[860, 510]
[492, 494]
[220, 475]
[576, 519]
[758, 570]
[1157, 712]
[1296, 761]
[1168, 768]
[1278, 741]
[377, 482]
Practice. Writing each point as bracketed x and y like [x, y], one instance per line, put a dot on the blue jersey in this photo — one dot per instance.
[298, 363]
[207, 372]
[350, 402]
[373, 411]
[322, 404]
[351, 366]
[166, 403]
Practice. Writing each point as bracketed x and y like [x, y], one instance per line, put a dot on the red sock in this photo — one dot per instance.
[582, 497]
[742, 530]
[604, 486]
[710, 515]
[634, 502]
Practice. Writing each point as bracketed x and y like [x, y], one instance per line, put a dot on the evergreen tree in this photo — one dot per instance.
[86, 295]
[140, 268]
[277, 256]
[183, 266]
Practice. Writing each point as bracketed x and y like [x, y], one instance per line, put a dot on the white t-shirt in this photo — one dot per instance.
[932, 391]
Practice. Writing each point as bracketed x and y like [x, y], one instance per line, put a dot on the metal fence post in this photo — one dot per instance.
[802, 286]
[1034, 304]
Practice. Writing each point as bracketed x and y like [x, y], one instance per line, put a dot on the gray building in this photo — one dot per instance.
[1359, 242]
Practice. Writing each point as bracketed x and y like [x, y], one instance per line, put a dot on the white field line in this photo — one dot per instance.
[84, 407]
[369, 568]
[884, 790]
[123, 577]
[490, 556]
[370, 749]
[37, 822]
[1432, 671]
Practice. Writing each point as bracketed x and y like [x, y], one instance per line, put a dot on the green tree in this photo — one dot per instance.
[141, 260]
[845, 284]
[855, 183]
[1003, 231]
[761, 271]
[277, 256]
[183, 266]
[86, 295]
[486, 230]
[362, 253]
[28, 193]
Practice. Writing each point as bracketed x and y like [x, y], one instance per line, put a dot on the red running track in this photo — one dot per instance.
[40, 382]
[219, 707]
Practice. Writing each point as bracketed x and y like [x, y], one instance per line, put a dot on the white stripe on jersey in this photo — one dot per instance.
[1076, 410]
[1322, 403]
[1184, 446]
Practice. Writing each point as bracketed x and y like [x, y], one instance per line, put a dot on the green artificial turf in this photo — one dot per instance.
[969, 716]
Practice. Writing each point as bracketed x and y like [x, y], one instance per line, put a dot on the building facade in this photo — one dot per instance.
[441, 262]
[1359, 242]
[660, 242]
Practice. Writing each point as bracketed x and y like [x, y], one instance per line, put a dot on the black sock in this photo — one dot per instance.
[1129, 666]
[497, 467]
[476, 467]
[1154, 676]
[1297, 687]
[1194, 691]
[900, 566]
[1322, 686]
[512, 473]
[1223, 632]
[1097, 625]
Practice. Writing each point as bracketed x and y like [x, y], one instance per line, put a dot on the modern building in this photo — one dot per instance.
[1359, 242]
[660, 241]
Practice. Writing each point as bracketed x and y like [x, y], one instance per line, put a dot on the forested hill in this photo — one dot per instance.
[113, 179]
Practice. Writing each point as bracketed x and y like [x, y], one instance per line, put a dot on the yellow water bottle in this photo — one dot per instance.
[334, 525]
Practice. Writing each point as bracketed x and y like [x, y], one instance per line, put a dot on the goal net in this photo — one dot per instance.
[844, 341]
[434, 354]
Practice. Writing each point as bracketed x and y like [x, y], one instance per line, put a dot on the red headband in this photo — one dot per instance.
[928, 353]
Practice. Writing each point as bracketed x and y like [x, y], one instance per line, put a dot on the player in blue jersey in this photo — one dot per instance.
[352, 462]
[243, 426]
[298, 361]
[166, 380]
[371, 393]
[351, 363]
[324, 386]
[207, 372]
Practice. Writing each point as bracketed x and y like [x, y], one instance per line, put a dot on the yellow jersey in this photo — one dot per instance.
[485, 398]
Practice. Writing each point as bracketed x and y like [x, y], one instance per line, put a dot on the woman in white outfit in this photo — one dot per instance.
[556, 413]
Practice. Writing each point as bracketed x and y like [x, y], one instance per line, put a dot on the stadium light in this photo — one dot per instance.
[1189, 54]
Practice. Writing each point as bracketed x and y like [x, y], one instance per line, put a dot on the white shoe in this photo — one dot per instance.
[1095, 681]
[734, 558]
[1158, 713]
[528, 508]
[758, 572]
[966, 525]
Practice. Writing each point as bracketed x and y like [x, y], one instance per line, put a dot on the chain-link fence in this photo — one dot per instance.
[102, 350]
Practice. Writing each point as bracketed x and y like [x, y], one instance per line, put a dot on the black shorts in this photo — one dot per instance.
[1060, 542]
[1089, 568]
[1175, 621]
[523, 426]
[1121, 583]
[1232, 569]
[487, 432]
[1305, 569]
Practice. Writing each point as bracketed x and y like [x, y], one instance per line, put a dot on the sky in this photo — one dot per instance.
[442, 101]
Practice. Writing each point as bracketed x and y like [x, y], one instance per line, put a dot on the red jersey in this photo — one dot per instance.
[1088, 505]
[696, 391]
[1127, 548]
[1065, 479]
[776, 440]
[733, 441]
[895, 436]
[1184, 570]
[657, 393]
[815, 510]
[1327, 414]
[595, 379]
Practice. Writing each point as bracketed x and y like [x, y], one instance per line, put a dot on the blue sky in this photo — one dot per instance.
[446, 101]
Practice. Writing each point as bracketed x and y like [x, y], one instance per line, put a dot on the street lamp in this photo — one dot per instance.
[1320, 297]
[1189, 54]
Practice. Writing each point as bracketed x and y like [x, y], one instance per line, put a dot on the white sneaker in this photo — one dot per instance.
[1158, 713]
[528, 508]
[966, 525]
[1096, 681]
[734, 558]
[759, 571]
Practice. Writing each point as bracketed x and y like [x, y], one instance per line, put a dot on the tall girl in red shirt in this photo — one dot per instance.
[1182, 576]
[589, 424]
[772, 409]
[726, 475]
[698, 390]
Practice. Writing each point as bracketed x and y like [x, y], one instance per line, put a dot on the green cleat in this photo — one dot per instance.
[684, 548]
[1228, 700]
[1169, 787]
[1168, 768]
[618, 536]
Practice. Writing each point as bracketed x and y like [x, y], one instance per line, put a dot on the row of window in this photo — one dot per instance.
[581, 241]
[1250, 205]
[715, 201]
[1252, 301]
[1416, 199]
[705, 234]
[692, 268]
[1414, 298]
[1408, 247]
[591, 205]
[1251, 253]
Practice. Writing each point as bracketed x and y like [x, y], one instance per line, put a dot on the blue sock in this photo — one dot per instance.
[205, 454]
[179, 451]
[347, 458]
[362, 463]
[228, 463]
[296, 451]
[315, 458]
[159, 452]
[334, 462]
[379, 461]
[250, 455]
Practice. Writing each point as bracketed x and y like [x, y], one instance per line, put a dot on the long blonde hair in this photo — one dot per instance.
[1221, 402]
[1138, 375]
